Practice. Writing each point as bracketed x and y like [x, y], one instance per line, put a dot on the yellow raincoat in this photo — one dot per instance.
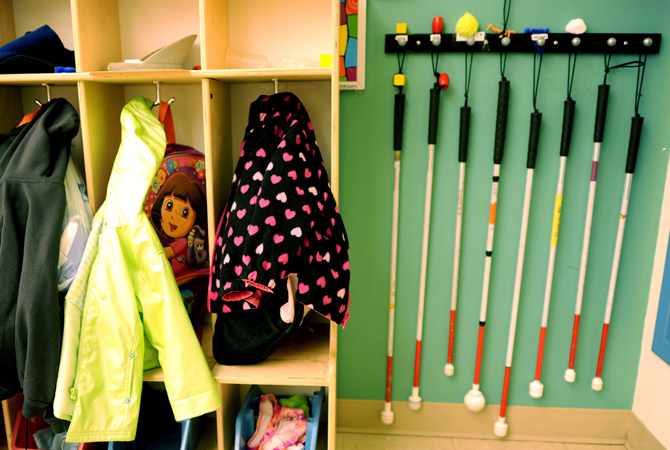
[124, 313]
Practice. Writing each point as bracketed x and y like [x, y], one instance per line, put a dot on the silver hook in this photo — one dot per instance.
[158, 95]
[48, 86]
[276, 82]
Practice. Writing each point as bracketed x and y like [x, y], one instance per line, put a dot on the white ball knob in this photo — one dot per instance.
[474, 400]
[570, 375]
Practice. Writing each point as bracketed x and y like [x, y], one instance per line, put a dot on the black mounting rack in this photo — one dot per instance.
[601, 43]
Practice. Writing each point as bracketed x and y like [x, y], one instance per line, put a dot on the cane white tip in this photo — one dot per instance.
[597, 384]
[387, 417]
[474, 400]
[536, 389]
[500, 427]
[449, 370]
[570, 375]
[414, 402]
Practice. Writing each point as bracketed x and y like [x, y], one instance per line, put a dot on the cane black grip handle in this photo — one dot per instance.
[568, 118]
[533, 139]
[501, 121]
[634, 143]
[432, 119]
[398, 120]
[465, 134]
[601, 112]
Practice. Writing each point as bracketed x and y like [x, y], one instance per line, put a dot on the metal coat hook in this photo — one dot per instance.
[48, 86]
[158, 95]
[276, 82]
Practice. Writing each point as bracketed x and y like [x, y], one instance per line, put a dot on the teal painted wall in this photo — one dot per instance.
[366, 201]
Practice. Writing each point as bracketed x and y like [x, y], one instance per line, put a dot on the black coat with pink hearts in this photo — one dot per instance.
[281, 218]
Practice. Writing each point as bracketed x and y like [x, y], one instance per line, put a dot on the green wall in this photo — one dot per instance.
[366, 202]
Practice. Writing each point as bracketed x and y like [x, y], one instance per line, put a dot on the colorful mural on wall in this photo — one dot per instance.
[352, 44]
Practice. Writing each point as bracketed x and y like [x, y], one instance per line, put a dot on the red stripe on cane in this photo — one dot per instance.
[573, 347]
[452, 325]
[603, 344]
[417, 363]
[480, 345]
[503, 402]
[389, 371]
[540, 354]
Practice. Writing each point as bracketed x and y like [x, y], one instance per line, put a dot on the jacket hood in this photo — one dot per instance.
[142, 149]
[32, 151]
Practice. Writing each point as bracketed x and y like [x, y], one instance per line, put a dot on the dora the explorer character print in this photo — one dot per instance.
[179, 214]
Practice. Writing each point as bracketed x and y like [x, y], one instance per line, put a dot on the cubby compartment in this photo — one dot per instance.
[148, 25]
[266, 34]
[22, 16]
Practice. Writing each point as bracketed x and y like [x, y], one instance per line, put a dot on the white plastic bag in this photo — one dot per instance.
[76, 226]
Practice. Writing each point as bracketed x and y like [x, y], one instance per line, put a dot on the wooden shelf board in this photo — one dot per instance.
[260, 75]
[32, 79]
[302, 361]
[147, 76]
[170, 76]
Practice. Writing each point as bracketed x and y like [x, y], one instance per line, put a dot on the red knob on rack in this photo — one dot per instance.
[443, 81]
[438, 25]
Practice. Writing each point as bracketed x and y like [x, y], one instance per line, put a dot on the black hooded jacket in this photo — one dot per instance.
[33, 160]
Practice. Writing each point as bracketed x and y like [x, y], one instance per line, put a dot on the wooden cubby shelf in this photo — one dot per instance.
[210, 113]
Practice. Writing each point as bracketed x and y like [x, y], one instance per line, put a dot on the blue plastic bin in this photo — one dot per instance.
[245, 425]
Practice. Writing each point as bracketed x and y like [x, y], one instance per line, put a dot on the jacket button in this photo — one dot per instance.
[132, 355]
[127, 400]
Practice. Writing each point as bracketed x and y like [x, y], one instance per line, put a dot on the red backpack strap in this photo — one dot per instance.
[165, 117]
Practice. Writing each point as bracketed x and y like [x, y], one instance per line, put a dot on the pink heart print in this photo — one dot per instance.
[246, 259]
[263, 202]
[253, 229]
[290, 214]
[303, 288]
[267, 265]
[299, 191]
[238, 270]
[238, 240]
[287, 157]
[275, 179]
[261, 153]
[270, 221]
[244, 188]
[278, 238]
[241, 213]
[307, 209]
[283, 258]
[327, 300]
[321, 282]
[292, 174]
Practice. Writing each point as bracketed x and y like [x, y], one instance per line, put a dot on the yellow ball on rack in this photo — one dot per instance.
[467, 25]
